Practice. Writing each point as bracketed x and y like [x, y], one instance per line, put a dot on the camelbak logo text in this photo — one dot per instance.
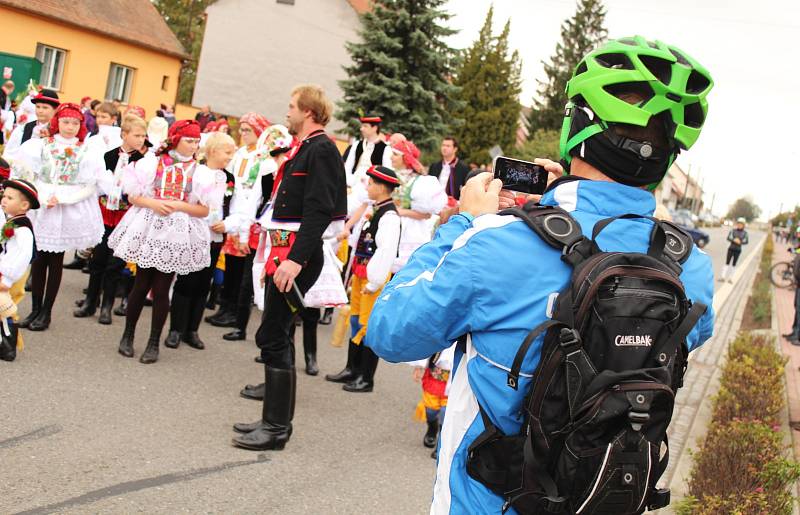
[633, 340]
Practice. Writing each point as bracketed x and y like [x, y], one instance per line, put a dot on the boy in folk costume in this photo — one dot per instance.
[191, 290]
[108, 135]
[245, 168]
[165, 231]
[45, 103]
[105, 268]
[17, 248]
[65, 172]
[432, 374]
[375, 254]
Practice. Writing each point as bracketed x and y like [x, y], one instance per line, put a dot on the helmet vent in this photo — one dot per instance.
[680, 57]
[661, 68]
[639, 89]
[697, 83]
[693, 115]
[581, 68]
[628, 41]
[615, 61]
[652, 45]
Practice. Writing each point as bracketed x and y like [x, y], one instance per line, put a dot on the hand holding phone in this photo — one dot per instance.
[521, 176]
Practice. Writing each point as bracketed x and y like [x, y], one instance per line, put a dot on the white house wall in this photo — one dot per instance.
[255, 51]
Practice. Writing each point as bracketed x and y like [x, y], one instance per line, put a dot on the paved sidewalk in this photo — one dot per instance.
[692, 406]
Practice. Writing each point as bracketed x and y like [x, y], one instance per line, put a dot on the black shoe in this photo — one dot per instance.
[88, 308]
[235, 336]
[790, 336]
[259, 359]
[435, 455]
[8, 342]
[221, 312]
[173, 339]
[358, 385]
[429, 440]
[150, 354]
[345, 376]
[254, 392]
[312, 368]
[85, 269]
[42, 320]
[193, 340]
[122, 309]
[28, 282]
[327, 317]
[105, 315]
[36, 306]
[225, 320]
[79, 303]
[276, 415]
[126, 343]
[75, 264]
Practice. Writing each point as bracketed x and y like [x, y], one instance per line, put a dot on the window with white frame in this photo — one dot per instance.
[52, 60]
[120, 80]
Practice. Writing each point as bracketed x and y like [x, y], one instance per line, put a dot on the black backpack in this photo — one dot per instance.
[601, 399]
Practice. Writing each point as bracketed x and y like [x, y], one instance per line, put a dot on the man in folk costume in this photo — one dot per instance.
[245, 168]
[17, 248]
[310, 200]
[451, 171]
[46, 102]
[370, 150]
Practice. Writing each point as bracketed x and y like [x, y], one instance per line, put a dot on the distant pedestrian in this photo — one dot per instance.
[738, 237]
[204, 116]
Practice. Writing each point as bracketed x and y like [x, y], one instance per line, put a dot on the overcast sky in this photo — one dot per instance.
[749, 144]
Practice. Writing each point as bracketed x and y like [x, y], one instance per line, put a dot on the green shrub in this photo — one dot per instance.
[742, 464]
[749, 392]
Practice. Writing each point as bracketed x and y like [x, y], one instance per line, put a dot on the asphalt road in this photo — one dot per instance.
[84, 430]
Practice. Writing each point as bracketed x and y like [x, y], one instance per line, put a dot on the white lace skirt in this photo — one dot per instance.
[175, 243]
[67, 227]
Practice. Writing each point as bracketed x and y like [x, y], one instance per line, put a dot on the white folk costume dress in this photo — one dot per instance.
[177, 242]
[248, 166]
[424, 194]
[67, 169]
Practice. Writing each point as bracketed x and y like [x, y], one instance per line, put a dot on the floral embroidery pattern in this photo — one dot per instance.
[229, 189]
[173, 180]
[7, 232]
[61, 166]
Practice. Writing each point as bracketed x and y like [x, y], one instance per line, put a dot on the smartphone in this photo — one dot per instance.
[521, 176]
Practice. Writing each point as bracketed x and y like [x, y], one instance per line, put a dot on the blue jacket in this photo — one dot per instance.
[494, 278]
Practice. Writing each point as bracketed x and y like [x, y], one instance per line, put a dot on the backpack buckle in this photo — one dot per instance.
[638, 419]
[569, 339]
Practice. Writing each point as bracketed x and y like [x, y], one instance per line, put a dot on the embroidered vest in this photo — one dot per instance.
[366, 246]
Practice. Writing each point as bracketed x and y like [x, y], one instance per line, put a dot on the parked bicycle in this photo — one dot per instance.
[782, 275]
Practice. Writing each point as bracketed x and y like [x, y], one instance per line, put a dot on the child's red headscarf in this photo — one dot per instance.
[68, 110]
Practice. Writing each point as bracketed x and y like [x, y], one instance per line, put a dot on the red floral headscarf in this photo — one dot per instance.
[256, 121]
[137, 110]
[410, 154]
[68, 110]
[182, 129]
[210, 127]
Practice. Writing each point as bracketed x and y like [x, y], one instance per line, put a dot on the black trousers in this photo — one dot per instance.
[198, 284]
[105, 264]
[244, 302]
[733, 256]
[234, 269]
[796, 323]
[275, 334]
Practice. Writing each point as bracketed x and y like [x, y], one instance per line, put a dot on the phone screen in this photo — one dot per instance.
[522, 176]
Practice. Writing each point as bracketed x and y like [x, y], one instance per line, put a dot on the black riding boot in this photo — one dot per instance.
[349, 372]
[89, 305]
[366, 372]
[36, 306]
[275, 427]
[429, 440]
[178, 317]
[197, 306]
[310, 348]
[42, 320]
[77, 263]
[8, 342]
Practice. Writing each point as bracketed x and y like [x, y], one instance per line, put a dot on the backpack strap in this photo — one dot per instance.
[678, 245]
[697, 310]
[557, 228]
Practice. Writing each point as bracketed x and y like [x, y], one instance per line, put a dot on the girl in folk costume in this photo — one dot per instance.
[419, 199]
[191, 290]
[65, 172]
[165, 231]
[433, 374]
[251, 194]
[246, 170]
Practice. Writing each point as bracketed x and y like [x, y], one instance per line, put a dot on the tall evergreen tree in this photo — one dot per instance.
[579, 34]
[187, 20]
[490, 82]
[400, 70]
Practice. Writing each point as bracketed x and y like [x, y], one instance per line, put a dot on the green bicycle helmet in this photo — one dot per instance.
[673, 87]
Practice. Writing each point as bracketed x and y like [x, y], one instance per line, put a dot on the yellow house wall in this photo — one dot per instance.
[89, 57]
